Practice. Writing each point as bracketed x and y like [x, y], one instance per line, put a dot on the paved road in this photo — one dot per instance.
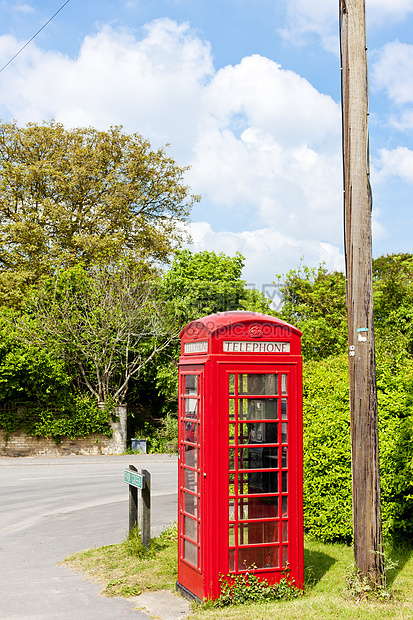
[51, 507]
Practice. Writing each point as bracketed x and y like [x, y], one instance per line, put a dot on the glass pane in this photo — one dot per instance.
[231, 559]
[191, 504]
[231, 463]
[191, 405]
[190, 456]
[284, 463]
[231, 484]
[243, 384]
[191, 385]
[191, 432]
[190, 552]
[284, 507]
[231, 385]
[231, 537]
[258, 384]
[284, 485]
[284, 556]
[257, 532]
[257, 433]
[284, 408]
[190, 480]
[283, 384]
[231, 512]
[261, 557]
[231, 433]
[231, 409]
[258, 507]
[190, 528]
[284, 531]
[284, 432]
[258, 482]
[253, 409]
[258, 458]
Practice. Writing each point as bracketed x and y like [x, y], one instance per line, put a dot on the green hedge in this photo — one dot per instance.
[327, 452]
[37, 392]
[327, 449]
[77, 417]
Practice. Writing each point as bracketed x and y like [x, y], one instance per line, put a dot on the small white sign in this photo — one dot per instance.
[231, 346]
[196, 347]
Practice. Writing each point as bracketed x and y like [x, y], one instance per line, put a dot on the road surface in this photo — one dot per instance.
[51, 507]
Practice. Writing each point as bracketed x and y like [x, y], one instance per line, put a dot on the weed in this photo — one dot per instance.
[248, 588]
[309, 578]
[133, 543]
[363, 587]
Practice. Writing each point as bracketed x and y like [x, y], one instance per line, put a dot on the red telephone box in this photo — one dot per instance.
[240, 451]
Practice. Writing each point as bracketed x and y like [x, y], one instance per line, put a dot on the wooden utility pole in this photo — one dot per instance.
[362, 366]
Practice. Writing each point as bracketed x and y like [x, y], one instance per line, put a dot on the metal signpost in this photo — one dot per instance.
[134, 479]
[140, 481]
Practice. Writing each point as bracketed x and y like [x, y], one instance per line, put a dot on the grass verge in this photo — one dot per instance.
[128, 570]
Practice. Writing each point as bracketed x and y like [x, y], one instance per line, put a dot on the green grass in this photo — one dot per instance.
[128, 570]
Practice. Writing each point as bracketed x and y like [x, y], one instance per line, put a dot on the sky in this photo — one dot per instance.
[246, 93]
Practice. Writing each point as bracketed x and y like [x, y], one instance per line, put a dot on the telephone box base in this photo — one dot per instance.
[187, 594]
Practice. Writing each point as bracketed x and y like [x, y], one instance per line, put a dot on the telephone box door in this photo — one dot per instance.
[264, 499]
[189, 478]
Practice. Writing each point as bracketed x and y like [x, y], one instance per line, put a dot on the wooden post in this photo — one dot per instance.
[146, 510]
[133, 503]
[362, 368]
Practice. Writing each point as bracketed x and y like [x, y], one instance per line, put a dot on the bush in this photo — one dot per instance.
[327, 446]
[76, 416]
[327, 450]
[248, 588]
[38, 394]
[163, 437]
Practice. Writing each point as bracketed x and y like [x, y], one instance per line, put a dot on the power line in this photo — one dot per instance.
[34, 36]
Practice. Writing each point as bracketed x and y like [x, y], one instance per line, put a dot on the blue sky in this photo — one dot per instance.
[246, 92]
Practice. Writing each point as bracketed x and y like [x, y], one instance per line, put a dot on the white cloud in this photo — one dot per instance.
[383, 11]
[320, 18]
[392, 72]
[267, 251]
[306, 19]
[377, 229]
[272, 141]
[17, 7]
[260, 139]
[394, 163]
[153, 86]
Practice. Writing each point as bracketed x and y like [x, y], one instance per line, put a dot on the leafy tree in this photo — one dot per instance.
[393, 296]
[27, 372]
[37, 393]
[204, 283]
[106, 323]
[113, 329]
[83, 195]
[393, 282]
[314, 300]
[198, 284]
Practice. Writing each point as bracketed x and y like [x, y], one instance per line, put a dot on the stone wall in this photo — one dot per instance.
[20, 444]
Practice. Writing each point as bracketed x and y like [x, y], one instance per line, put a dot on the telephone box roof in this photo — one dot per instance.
[214, 322]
